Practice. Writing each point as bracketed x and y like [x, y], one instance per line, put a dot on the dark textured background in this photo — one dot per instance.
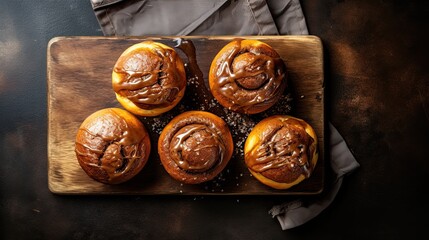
[377, 75]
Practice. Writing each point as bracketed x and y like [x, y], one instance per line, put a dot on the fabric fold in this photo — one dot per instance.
[184, 17]
[295, 213]
[263, 18]
[288, 17]
[191, 27]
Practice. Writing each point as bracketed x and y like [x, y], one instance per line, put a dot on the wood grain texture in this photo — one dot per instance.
[79, 83]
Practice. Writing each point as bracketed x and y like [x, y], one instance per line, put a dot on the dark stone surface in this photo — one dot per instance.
[378, 97]
[378, 83]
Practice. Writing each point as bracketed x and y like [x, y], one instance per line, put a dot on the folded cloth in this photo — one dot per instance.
[295, 213]
[199, 17]
[226, 17]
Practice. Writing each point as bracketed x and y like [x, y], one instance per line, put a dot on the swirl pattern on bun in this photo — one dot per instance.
[149, 78]
[281, 151]
[112, 146]
[247, 76]
[195, 147]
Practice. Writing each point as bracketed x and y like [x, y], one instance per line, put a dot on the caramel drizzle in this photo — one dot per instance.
[290, 152]
[188, 48]
[152, 88]
[122, 154]
[193, 71]
[204, 164]
[244, 98]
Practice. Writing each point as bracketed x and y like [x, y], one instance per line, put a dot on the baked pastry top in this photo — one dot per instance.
[112, 146]
[149, 78]
[195, 146]
[247, 76]
[281, 151]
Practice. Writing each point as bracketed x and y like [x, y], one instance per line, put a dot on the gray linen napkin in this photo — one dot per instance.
[295, 213]
[199, 17]
[224, 17]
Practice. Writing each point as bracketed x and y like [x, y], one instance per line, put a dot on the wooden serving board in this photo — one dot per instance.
[79, 83]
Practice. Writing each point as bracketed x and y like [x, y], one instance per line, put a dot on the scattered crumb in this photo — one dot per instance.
[198, 97]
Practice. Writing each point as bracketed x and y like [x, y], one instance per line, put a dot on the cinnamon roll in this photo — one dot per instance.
[247, 76]
[195, 147]
[112, 146]
[149, 78]
[281, 151]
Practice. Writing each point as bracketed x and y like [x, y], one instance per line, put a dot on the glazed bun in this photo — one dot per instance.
[247, 76]
[281, 151]
[195, 147]
[112, 146]
[149, 78]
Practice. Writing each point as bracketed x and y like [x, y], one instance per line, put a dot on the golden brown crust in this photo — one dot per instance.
[195, 147]
[112, 146]
[281, 151]
[247, 76]
[149, 78]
